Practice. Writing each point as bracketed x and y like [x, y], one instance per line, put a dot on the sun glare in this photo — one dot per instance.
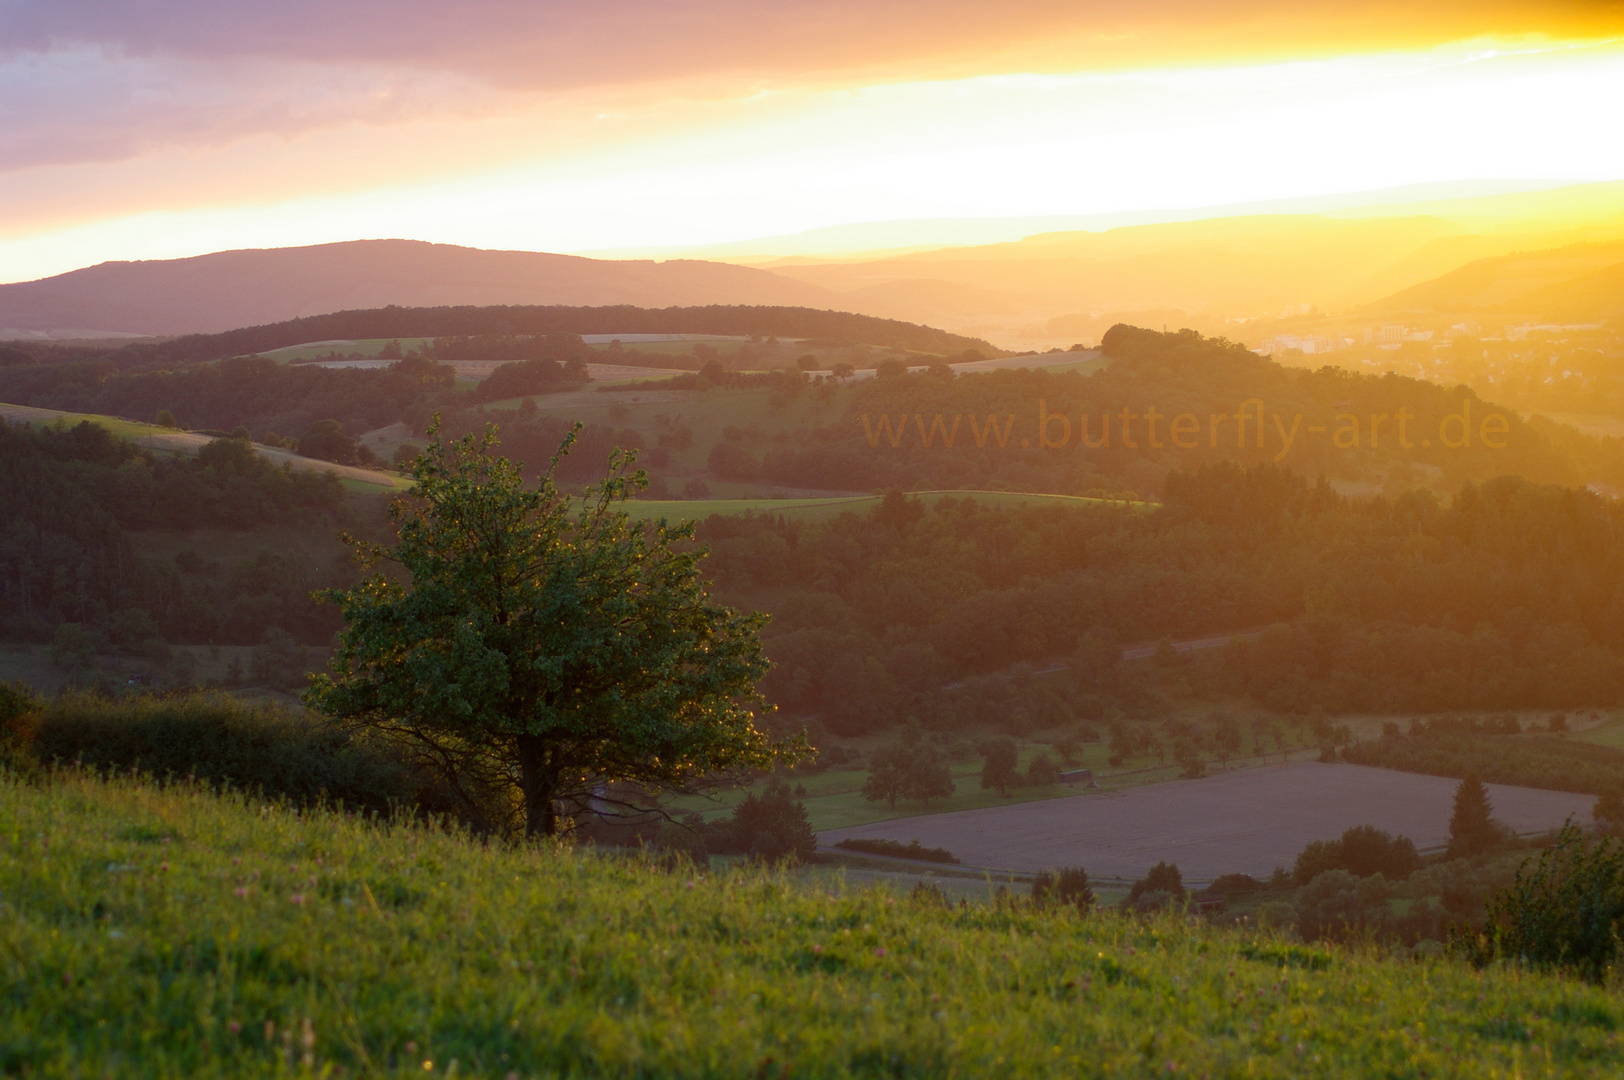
[782, 160]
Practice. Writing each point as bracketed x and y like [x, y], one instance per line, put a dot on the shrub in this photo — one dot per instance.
[18, 714]
[1339, 905]
[1567, 912]
[898, 850]
[218, 739]
[1163, 879]
[1067, 886]
[773, 827]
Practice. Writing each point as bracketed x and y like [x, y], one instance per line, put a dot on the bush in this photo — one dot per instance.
[1068, 886]
[1162, 885]
[18, 714]
[218, 739]
[773, 827]
[1339, 905]
[1567, 912]
[898, 850]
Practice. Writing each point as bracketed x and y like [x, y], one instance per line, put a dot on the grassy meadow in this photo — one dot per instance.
[169, 932]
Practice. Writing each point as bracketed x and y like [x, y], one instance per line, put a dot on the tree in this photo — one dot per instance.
[771, 827]
[1191, 765]
[998, 765]
[165, 418]
[1164, 878]
[1609, 809]
[544, 647]
[927, 776]
[1226, 735]
[842, 370]
[328, 441]
[887, 775]
[1043, 771]
[1472, 828]
[909, 768]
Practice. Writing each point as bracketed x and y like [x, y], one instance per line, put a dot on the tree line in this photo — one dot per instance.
[1511, 595]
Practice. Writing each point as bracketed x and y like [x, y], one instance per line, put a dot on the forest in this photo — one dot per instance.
[78, 502]
[900, 430]
[1509, 596]
[399, 322]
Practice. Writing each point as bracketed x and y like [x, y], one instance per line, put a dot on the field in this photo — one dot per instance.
[170, 933]
[168, 440]
[1248, 821]
[834, 506]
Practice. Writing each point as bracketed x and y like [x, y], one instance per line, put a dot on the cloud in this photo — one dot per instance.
[564, 43]
[84, 104]
[103, 80]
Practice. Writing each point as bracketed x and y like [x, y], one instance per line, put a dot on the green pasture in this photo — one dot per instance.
[319, 350]
[124, 429]
[823, 508]
[163, 932]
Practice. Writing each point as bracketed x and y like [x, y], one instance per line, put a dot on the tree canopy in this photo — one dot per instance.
[542, 646]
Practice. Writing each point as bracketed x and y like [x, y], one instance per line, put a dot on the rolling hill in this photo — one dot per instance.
[211, 293]
[1576, 283]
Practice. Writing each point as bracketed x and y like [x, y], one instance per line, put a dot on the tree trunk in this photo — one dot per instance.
[539, 783]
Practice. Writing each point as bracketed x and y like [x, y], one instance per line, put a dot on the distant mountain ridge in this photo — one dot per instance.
[228, 289]
[1576, 283]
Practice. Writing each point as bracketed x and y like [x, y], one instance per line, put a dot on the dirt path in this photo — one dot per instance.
[1246, 821]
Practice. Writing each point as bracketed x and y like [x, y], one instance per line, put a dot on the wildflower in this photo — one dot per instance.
[163, 866]
[880, 951]
[411, 1048]
[298, 898]
[428, 1066]
[817, 948]
[233, 1026]
[242, 892]
[690, 884]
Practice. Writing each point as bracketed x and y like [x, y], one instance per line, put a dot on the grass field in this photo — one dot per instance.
[170, 933]
[366, 347]
[824, 508]
[170, 441]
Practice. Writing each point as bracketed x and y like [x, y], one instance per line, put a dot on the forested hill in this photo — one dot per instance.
[407, 322]
[1186, 401]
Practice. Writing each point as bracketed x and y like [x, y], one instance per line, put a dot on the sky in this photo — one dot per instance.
[136, 129]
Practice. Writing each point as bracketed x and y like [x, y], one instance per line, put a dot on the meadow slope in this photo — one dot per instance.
[154, 932]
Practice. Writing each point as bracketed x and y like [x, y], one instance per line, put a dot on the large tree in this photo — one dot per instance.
[520, 640]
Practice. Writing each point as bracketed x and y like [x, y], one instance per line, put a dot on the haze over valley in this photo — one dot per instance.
[748, 540]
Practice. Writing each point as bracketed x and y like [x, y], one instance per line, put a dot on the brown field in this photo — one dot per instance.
[1248, 821]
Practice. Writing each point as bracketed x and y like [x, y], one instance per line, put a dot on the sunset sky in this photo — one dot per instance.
[175, 127]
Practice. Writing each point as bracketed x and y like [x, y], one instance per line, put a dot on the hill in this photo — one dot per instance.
[179, 933]
[1203, 271]
[1577, 283]
[226, 289]
[434, 322]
